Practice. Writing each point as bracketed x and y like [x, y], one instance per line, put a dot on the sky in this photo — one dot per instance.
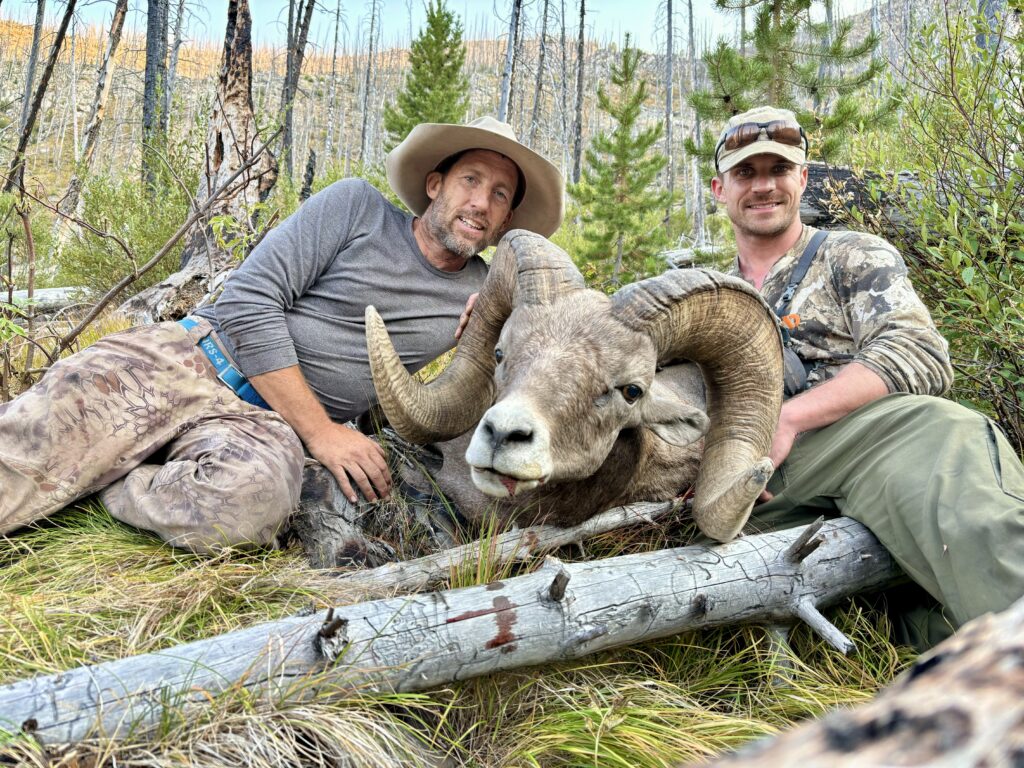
[606, 19]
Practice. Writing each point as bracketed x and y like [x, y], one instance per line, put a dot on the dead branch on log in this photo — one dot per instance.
[563, 611]
[961, 704]
[518, 545]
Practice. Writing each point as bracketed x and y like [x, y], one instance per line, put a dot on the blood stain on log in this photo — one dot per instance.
[504, 616]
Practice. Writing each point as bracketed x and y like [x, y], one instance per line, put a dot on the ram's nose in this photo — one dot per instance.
[499, 434]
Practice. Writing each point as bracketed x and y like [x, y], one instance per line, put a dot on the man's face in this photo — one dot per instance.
[471, 205]
[762, 194]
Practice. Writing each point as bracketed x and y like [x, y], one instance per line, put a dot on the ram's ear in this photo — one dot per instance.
[674, 421]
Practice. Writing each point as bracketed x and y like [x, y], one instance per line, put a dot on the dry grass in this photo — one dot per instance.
[82, 588]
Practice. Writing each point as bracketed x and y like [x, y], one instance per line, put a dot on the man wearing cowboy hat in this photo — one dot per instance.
[195, 429]
[862, 432]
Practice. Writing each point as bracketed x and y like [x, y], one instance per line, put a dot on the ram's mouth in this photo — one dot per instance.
[502, 486]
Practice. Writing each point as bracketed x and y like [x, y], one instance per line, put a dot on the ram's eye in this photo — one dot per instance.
[498, 355]
[631, 392]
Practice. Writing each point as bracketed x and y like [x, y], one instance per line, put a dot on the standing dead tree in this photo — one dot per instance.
[332, 103]
[153, 137]
[415, 642]
[538, 90]
[16, 168]
[577, 128]
[697, 183]
[364, 134]
[299, 19]
[69, 204]
[670, 166]
[172, 67]
[505, 103]
[33, 60]
[231, 143]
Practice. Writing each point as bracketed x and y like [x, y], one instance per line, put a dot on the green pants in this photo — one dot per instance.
[938, 484]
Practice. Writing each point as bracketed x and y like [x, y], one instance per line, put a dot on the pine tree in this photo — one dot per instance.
[436, 89]
[620, 205]
[812, 68]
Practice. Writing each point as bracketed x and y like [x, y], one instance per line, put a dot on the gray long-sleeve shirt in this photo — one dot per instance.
[300, 296]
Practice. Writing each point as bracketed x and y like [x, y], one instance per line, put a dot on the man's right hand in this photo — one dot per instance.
[350, 454]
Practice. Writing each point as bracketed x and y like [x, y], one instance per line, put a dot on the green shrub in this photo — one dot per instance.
[121, 207]
[958, 223]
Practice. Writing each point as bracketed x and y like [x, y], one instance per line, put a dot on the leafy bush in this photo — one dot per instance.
[958, 223]
[144, 222]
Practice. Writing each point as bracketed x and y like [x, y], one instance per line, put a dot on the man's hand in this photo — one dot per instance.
[350, 454]
[782, 443]
[345, 452]
[464, 319]
[855, 385]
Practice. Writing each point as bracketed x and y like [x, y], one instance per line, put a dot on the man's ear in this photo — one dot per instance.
[718, 189]
[433, 184]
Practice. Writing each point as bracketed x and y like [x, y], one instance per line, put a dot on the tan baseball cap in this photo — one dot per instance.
[543, 202]
[763, 144]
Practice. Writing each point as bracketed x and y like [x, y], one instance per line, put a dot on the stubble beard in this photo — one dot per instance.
[441, 230]
[768, 229]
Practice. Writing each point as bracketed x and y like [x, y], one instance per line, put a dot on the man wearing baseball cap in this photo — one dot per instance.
[195, 429]
[862, 431]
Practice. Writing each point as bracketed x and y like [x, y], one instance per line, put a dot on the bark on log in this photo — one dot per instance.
[960, 705]
[415, 642]
[49, 301]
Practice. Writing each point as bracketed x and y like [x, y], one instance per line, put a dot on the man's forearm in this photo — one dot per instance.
[288, 393]
[855, 385]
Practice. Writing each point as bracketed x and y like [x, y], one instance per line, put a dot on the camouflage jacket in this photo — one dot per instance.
[856, 304]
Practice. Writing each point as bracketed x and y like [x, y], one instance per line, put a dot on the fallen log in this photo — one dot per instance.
[519, 545]
[562, 611]
[961, 704]
[48, 301]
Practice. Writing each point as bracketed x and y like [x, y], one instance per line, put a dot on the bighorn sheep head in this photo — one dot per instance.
[551, 373]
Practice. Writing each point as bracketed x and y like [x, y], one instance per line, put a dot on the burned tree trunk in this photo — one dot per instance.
[416, 642]
[231, 142]
[538, 87]
[69, 204]
[153, 138]
[505, 102]
[577, 127]
[962, 704]
[299, 20]
[16, 169]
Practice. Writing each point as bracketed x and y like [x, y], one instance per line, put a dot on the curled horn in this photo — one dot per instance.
[526, 269]
[723, 325]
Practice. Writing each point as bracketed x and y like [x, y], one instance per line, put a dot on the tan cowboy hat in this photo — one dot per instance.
[542, 207]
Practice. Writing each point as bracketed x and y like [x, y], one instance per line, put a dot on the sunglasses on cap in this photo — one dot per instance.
[744, 134]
